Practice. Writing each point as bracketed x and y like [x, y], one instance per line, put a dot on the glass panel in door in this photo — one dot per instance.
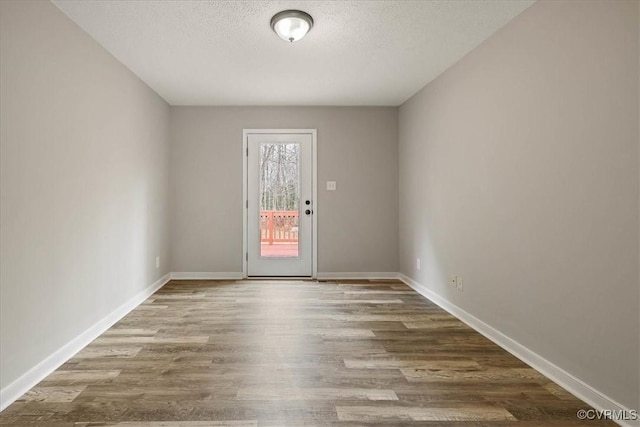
[279, 200]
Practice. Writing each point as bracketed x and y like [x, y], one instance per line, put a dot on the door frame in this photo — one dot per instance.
[245, 193]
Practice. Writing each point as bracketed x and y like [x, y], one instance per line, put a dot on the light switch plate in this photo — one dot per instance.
[331, 185]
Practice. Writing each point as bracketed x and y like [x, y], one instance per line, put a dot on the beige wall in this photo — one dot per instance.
[357, 147]
[84, 184]
[519, 172]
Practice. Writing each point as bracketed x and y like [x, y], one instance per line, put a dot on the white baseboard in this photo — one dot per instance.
[356, 276]
[13, 391]
[572, 384]
[187, 275]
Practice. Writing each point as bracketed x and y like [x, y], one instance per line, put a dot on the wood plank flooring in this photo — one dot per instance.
[293, 353]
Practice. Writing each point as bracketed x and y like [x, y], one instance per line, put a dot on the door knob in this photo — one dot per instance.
[308, 202]
[308, 212]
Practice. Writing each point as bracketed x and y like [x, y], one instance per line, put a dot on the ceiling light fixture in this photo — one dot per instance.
[291, 25]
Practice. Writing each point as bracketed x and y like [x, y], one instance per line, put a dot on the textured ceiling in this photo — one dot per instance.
[224, 52]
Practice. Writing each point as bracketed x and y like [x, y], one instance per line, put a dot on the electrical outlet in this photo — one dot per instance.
[157, 262]
[418, 263]
[459, 284]
[453, 281]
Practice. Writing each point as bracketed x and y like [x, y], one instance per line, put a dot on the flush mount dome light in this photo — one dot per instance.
[291, 25]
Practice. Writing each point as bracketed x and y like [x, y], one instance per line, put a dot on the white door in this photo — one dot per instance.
[279, 204]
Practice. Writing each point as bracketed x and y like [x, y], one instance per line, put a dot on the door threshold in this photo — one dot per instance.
[279, 278]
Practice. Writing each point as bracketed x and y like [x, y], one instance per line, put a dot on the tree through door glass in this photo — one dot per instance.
[279, 200]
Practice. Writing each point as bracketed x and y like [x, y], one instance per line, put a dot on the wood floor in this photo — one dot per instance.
[293, 353]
